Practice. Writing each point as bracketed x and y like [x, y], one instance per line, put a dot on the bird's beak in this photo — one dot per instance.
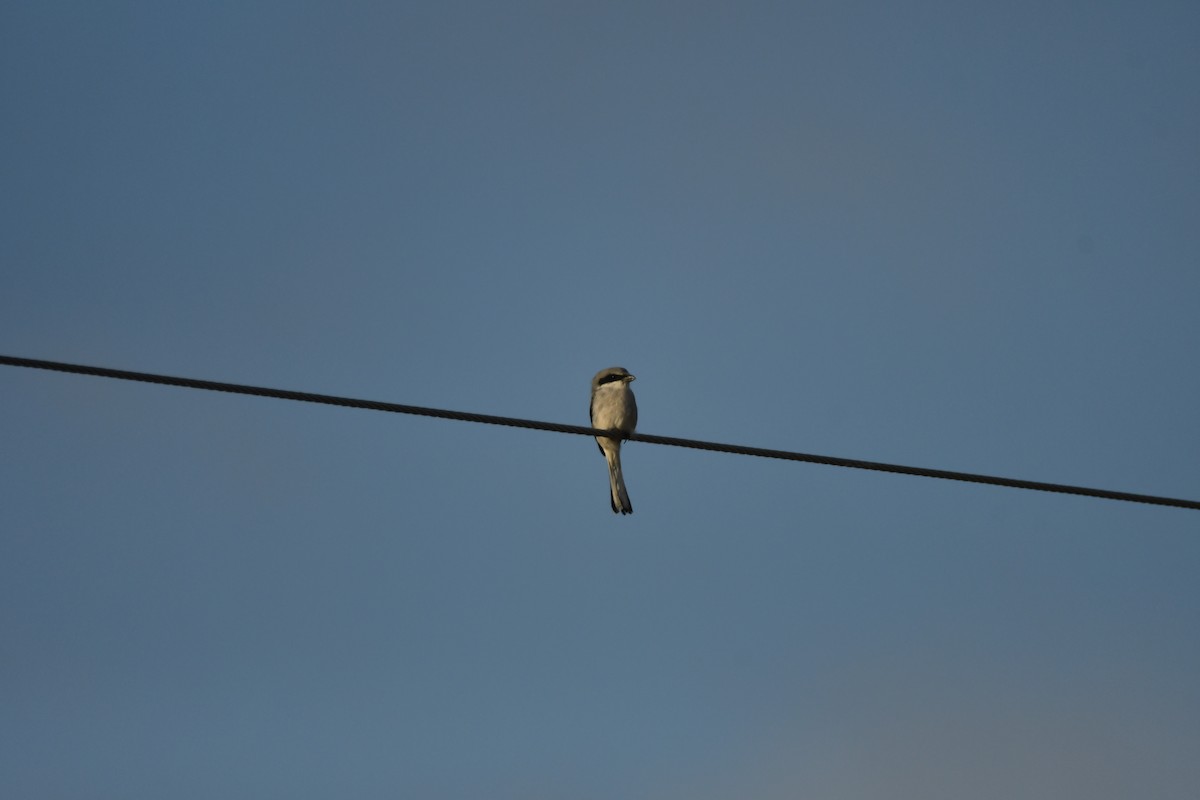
[630, 378]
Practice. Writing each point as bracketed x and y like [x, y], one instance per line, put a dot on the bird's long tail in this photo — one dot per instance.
[616, 481]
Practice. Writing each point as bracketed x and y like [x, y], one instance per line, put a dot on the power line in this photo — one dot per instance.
[396, 408]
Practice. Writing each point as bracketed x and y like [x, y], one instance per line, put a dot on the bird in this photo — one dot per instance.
[614, 409]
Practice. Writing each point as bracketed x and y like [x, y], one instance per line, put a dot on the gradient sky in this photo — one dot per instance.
[962, 236]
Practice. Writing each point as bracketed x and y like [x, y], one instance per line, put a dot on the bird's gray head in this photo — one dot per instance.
[611, 375]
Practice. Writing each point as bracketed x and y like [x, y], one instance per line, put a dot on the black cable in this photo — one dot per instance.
[375, 405]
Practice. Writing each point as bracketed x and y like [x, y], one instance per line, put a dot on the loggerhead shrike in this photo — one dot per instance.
[614, 409]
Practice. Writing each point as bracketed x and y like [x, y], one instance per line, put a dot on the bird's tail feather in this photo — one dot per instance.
[618, 496]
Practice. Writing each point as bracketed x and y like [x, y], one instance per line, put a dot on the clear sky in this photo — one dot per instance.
[953, 235]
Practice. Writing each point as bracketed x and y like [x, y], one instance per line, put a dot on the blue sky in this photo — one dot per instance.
[963, 236]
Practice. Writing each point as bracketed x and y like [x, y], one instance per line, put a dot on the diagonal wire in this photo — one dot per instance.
[489, 419]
